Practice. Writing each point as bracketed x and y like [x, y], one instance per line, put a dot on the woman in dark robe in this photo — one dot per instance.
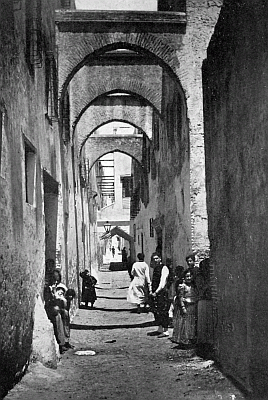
[88, 288]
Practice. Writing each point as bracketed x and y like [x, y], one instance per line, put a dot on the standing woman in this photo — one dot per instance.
[140, 285]
[185, 312]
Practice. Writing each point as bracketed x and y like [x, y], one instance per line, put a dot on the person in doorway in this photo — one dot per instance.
[113, 251]
[160, 302]
[88, 288]
[185, 312]
[124, 256]
[140, 285]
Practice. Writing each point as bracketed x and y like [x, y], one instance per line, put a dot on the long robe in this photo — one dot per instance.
[185, 325]
[138, 289]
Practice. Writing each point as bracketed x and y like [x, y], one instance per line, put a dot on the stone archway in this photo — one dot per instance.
[76, 46]
[98, 115]
[91, 87]
[99, 146]
[84, 39]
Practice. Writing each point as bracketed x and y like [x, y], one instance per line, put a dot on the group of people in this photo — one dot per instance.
[57, 305]
[179, 298]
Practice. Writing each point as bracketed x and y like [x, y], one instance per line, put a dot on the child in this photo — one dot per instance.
[88, 288]
[185, 312]
[69, 296]
[177, 279]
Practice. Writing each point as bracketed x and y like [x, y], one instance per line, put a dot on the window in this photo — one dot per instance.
[30, 172]
[134, 232]
[151, 228]
[34, 42]
[51, 86]
[127, 186]
[66, 134]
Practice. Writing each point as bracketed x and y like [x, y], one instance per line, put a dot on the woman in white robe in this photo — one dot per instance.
[141, 286]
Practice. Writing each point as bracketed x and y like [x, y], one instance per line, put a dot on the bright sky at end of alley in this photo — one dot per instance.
[126, 5]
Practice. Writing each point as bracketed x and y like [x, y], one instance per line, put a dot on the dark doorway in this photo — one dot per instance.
[51, 215]
[142, 243]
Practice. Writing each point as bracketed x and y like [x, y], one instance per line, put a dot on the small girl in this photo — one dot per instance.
[185, 312]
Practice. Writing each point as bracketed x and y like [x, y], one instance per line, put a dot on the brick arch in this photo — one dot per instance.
[95, 117]
[99, 147]
[75, 49]
[137, 88]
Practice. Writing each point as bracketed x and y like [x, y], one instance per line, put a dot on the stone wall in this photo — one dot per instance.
[235, 98]
[169, 180]
[29, 145]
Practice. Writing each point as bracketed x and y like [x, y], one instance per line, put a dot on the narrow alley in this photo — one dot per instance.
[127, 364]
[133, 131]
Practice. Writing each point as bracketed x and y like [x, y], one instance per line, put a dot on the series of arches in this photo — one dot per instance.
[82, 54]
[77, 50]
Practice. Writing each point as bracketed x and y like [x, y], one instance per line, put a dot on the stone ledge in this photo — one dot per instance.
[82, 16]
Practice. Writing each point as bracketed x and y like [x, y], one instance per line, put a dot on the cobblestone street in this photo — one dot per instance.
[127, 364]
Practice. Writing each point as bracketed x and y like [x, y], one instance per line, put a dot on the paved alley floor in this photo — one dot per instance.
[127, 364]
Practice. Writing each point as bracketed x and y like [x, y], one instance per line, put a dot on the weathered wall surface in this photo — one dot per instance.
[30, 144]
[179, 182]
[235, 87]
[202, 16]
[169, 180]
